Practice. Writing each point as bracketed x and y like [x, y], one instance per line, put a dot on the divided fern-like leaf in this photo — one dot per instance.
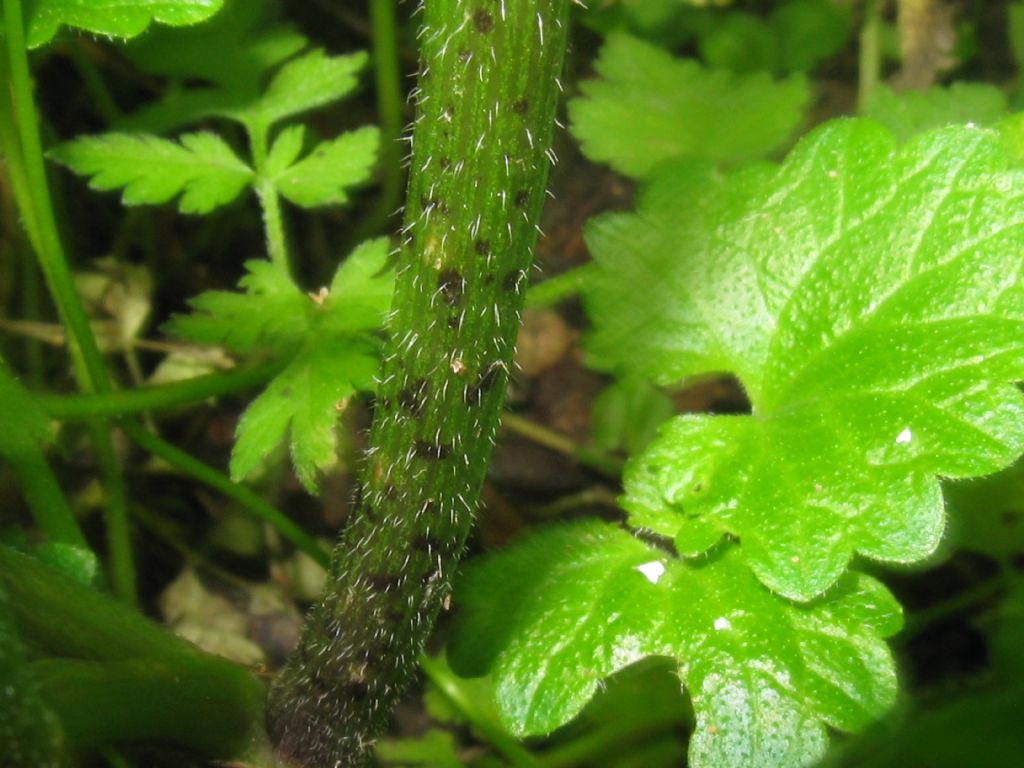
[302, 84]
[326, 174]
[649, 108]
[868, 297]
[765, 675]
[331, 343]
[202, 168]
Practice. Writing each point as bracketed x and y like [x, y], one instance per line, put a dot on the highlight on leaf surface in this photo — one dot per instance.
[765, 676]
[330, 339]
[201, 167]
[115, 18]
[648, 108]
[868, 298]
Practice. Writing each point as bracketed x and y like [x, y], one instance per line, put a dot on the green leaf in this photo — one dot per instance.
[30, 732]
[649, 108]
[116, 18]
[627, 414]
[909, 113]
[232, 53]
[305, 400]
[271, 314]
[333, 167]
[809, 32]
[202, 168]
[76, 563]
[868, 299]
[310, 81]
[233, 50]
[330, 338]
[765, 676]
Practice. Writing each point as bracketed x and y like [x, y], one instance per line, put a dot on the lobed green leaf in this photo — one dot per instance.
[233, 50]
[649, 108]
[325, 175]
[303, 84]
[304, 401]
[330, 338]
[116, 18]
[868, 298]
[202, 168]
[765, 676]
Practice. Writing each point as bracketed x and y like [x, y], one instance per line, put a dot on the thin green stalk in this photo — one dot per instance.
[559, 288]
[45, 499]
[121, 561]
[157, 397]
[870, 64]
[210, 476]
[487, 97]
[607, 465]
[31, 306]
[51, 251]
[451, 688]
[206, 474]
[388, 83]
[33, 196]
[99, 94]
[961, 601]
[270, 201]
[626, 738]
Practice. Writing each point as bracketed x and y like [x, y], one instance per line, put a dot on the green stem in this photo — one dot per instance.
[388, 84]
[158, 397]
[451, 688]
[99, 95]
[388, 81]
[195, 702]
[559, 288]
[62, 617]
[46, 500]
[485, 113]
[270, 201]
[595, 459]
[204, 473]
[627, 738]
[134, 680]
[870, 64]
[918, 622]
[33, 196]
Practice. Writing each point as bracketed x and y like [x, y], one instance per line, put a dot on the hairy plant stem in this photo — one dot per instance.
[486, 101]
[23, 156]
